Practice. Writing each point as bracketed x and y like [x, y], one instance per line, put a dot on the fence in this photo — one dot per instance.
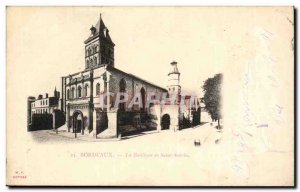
[45, 121]
[132, 121]
[41, 122]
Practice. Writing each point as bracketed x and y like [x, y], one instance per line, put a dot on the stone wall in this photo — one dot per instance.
[204, 116]
[173, 112]
[133, 86]
[111, 130]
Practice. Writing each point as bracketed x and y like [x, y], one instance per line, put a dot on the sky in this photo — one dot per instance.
[50, 43]
[252, 46]
[44, 44]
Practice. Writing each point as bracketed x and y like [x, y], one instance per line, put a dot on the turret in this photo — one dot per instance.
[174, 80]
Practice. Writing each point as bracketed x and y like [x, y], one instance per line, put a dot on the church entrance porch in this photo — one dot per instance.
[165, 122]
[78, 122]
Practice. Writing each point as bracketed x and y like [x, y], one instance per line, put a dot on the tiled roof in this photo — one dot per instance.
[135, 77]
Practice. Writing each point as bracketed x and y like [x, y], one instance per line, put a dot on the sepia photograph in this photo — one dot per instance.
[150, 96]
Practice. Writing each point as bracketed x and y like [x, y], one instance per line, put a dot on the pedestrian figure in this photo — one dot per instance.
[197, 142]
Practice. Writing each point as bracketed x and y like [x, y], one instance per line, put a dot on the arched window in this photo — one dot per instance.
[79, 91]
[68, 94]
[143, 94]
[122, 88]
[95, 60]
[86, 88]
[122, 85]
[98, 89]
[87, 64]
[90, 51]
[73, 93]
[91, 62]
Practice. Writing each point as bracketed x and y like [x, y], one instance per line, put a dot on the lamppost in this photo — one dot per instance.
[75, 119]
[74, 128]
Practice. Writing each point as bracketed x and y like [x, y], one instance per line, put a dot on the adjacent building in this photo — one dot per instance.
[46, 104]
[43, 112]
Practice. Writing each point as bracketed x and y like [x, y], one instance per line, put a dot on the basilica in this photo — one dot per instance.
[88, 112]
[81, 91]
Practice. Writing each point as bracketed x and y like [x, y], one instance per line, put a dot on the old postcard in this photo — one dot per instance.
[150, 96]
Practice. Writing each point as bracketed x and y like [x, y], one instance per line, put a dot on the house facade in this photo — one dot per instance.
[43, 112]
[45, 105]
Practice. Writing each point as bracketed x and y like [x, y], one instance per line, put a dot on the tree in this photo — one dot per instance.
[212, 96]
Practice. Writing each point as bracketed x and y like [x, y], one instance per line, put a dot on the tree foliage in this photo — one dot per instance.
[212, 96]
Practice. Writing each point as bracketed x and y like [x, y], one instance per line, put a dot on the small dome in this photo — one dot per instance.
[174, 68]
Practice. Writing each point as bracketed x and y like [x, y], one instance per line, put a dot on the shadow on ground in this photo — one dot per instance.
[203, 123]
[137, 133]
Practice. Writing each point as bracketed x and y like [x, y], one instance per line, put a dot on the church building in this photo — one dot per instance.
[81, 91]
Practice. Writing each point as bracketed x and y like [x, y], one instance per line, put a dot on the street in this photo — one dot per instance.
[205, 134]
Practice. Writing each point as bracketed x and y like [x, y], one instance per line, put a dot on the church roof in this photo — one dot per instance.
[100, 31]
[135, 77]
[124, 73]
[100, 26]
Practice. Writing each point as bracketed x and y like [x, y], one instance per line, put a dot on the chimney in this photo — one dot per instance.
[40, 97]
[46, 95]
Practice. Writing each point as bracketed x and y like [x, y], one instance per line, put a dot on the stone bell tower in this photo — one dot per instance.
[174, 80]
[99, 48]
